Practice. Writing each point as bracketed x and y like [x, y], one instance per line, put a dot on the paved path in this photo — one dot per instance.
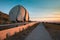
[39, 33]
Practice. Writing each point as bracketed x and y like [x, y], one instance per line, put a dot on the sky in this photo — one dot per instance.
[43, 9]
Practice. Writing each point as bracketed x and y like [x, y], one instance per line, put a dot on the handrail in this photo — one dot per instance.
[8, 26]
[14, 24]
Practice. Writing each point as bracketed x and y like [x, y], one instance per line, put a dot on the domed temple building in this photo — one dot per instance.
[19, 14]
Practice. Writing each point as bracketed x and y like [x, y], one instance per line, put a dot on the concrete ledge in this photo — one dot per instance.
[12, 31]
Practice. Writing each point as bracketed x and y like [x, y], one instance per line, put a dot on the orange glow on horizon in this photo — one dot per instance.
[54, 17]
[47, 19]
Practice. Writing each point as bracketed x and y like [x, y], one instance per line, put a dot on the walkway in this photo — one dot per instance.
[39, 33]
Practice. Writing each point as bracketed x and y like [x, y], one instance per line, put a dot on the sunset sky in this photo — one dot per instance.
[38, 9]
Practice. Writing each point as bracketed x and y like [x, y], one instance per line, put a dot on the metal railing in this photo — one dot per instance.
[14, 24]
[7, 26]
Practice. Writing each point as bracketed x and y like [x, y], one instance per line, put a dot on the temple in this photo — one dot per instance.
[19, 14]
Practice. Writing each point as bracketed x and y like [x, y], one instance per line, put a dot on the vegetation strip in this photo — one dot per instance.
[53, 29]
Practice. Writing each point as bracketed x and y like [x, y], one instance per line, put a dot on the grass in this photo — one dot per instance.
[53, 29]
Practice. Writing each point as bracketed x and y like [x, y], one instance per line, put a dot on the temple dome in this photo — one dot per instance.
[19, 13]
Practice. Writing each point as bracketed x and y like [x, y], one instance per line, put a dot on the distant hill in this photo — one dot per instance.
[4, 18]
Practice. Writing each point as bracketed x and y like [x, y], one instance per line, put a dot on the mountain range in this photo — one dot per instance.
[4, 18]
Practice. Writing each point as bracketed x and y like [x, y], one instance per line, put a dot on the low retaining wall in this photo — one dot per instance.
[12, 31]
